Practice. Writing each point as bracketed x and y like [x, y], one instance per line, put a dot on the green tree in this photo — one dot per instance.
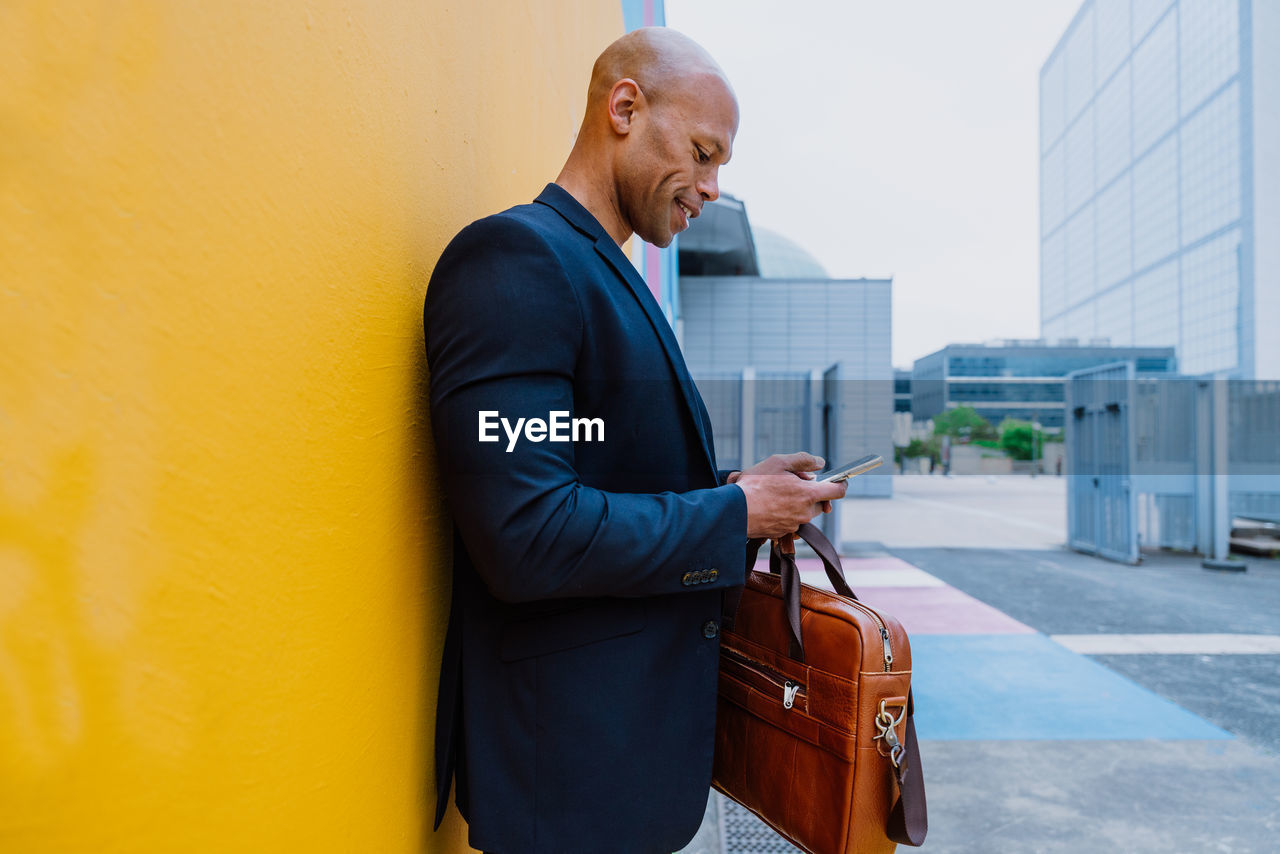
[1018, 439]
[918, 448]
[963, 422]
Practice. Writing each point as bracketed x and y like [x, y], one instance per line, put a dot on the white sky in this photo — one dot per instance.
[896, 137]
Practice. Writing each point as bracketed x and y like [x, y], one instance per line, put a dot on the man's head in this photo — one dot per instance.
[660, 121]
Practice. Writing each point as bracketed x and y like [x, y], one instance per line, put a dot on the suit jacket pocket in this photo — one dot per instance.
[584, 624]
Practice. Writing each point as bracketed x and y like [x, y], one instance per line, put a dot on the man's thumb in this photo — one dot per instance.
[802, 461]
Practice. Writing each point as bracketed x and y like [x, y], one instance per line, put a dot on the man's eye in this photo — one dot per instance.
[703, 157]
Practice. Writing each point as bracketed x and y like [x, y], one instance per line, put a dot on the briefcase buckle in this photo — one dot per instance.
[886, 732]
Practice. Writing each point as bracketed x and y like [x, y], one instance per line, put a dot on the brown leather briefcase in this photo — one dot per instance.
[814, 730]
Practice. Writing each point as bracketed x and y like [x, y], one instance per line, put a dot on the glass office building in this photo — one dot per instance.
[1160, 181]
[1018, 379]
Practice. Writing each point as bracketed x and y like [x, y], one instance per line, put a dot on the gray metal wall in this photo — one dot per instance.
[785, 333]
[1168, 462]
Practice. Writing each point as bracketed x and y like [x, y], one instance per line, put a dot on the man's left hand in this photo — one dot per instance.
[800, 464]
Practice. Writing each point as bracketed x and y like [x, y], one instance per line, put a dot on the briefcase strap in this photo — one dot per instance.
[733, 597]
[778, 564]
[822, 547]
[909, 818]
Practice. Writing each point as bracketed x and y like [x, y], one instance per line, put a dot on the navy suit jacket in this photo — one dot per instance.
[578, 686]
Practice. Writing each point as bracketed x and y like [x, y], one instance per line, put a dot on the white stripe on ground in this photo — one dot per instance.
[1206, 644]
[1002, 518]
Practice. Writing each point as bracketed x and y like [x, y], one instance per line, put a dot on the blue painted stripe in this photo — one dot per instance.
[643, 13]
[1004, 687]
[632, 14]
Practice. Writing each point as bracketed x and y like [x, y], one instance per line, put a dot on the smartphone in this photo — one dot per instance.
[848, 470]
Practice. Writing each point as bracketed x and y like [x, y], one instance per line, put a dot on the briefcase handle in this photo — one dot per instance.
[782, 562]
[821, 546]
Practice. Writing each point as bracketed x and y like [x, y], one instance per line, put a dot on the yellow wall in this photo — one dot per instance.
[223, 554]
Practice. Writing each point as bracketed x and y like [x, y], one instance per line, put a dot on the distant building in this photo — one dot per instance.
[719, 242]
[1017, 379]
[786, 357]
[1160, 181]
[901, 390]
[783, 258]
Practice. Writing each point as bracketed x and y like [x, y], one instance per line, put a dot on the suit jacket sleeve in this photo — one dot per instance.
[504, 327]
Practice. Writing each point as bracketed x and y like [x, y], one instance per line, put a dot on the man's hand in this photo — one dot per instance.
[782, 495]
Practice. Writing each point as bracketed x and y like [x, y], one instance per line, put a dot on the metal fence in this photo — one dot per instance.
[1168, 462]
[770, 412]
[758, 413]
[1101, 514]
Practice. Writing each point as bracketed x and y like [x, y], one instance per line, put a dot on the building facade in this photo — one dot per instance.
[786, 357]
[901, 390]
[1160, 181]
[1016, 379]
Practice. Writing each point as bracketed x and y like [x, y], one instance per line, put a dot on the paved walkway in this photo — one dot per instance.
[1008, 511]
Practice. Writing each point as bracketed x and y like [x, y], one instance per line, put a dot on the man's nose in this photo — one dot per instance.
[709, 188]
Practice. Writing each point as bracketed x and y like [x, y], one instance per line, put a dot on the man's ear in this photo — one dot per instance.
[625, 98]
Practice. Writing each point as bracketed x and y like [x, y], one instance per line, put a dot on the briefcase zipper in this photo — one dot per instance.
[791, 689]
[884, 635]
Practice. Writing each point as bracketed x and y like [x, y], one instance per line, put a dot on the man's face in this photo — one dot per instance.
[671, 163]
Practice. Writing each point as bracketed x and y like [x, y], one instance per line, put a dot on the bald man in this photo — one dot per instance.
[594, 536]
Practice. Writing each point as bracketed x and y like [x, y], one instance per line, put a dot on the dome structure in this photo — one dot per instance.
[782, 258]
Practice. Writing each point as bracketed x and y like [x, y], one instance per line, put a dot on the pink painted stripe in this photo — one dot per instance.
[849, 564]
[653, 269]
[942, 611]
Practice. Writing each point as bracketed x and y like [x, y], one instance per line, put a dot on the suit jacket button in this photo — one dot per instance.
[710, 629]
[713, 574]
[687, 580]
[703, 577]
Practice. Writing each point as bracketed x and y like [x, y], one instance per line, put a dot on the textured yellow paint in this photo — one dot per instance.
[223, 552]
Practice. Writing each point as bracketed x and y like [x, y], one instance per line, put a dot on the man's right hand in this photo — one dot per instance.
[782, 496]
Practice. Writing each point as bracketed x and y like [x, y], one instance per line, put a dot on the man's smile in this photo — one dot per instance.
[687, 212]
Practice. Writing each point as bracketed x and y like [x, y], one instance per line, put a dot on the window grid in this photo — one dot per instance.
[1155, 307]
[1209, 42]
[1114, 315]
[1052, 103]
[1155, 98]
[1155, 204]
[1053, 189]
[1112, 113]
[1111, 33]
[1211, 166]
[1079, 176]
[1079, 68]
[1080, 256]
[1079, 322]
[1210, 293]
[1145, 14]
[1114, 237]
[1053, 260]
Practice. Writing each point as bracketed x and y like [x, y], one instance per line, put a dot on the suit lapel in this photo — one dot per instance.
[624, 268]
[558, 198]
